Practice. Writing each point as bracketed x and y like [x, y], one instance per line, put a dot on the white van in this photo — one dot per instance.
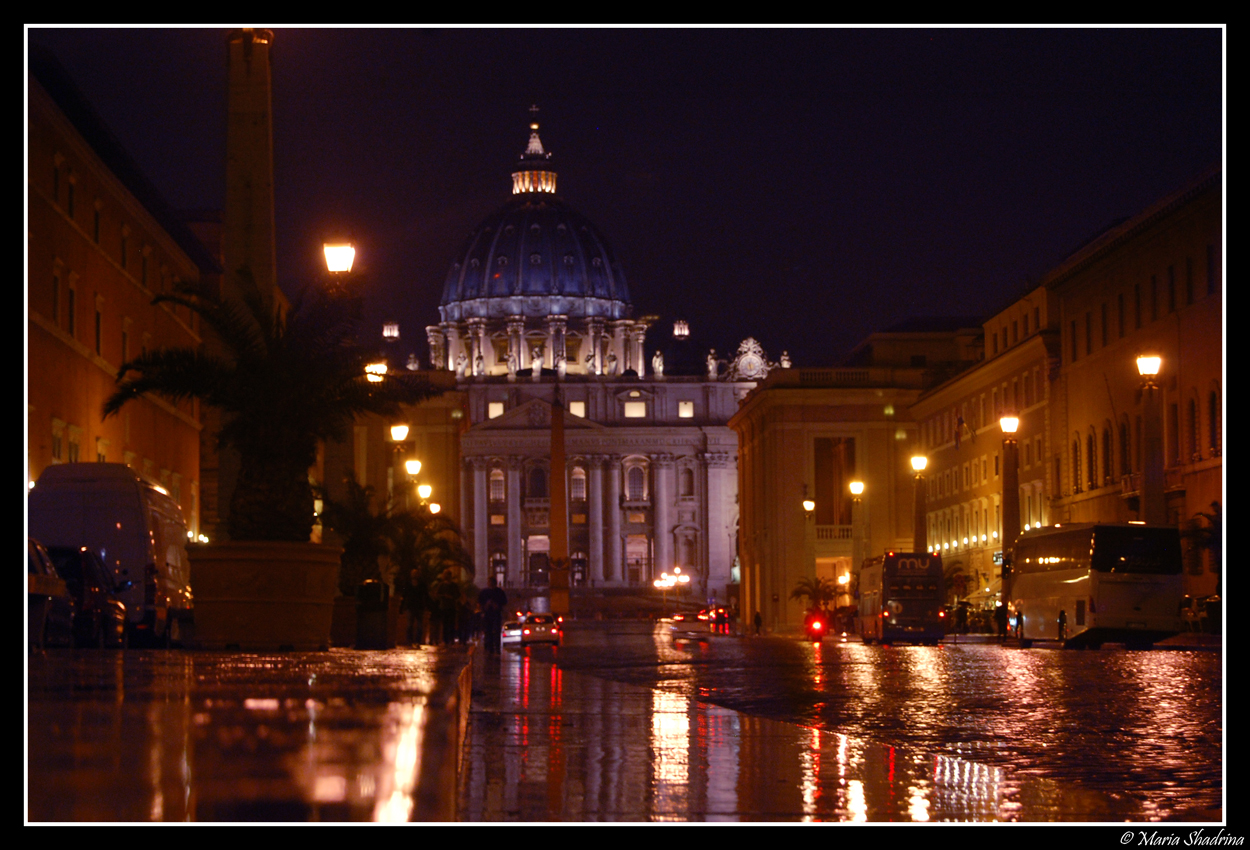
[137, 529]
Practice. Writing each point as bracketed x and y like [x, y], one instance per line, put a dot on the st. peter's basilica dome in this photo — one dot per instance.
[535, 257]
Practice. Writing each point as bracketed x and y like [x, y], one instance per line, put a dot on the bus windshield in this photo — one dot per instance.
[1154, 551]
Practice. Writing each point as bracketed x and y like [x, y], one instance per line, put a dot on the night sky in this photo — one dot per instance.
[803, 186]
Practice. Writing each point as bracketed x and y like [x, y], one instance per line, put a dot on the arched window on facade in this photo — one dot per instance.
[577, 484]
[536, 483]
[1091, 464]
[1107, 455]
[1213, 422]
[636, 483]
[1192, 429]
[686, 485]
[1126, 450]
[499, 567]
[498, 488]
[1076, 465]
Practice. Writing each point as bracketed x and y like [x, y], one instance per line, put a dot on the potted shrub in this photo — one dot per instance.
[284, 381]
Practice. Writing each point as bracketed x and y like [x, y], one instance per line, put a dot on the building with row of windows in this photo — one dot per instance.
[1060, 357]
[804, 435]
[100, 246]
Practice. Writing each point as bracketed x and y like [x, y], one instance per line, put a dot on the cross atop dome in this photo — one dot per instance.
[533, 172]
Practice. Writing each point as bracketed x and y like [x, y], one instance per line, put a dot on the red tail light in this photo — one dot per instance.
[817, 625]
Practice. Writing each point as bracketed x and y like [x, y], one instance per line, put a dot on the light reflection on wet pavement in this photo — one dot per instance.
[830, 733]
[1144, 727]
[208, 736]
[549, 744]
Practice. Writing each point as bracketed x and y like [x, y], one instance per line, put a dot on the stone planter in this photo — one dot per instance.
[263, 595]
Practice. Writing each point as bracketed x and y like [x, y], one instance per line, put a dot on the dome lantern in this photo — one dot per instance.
[534, 168]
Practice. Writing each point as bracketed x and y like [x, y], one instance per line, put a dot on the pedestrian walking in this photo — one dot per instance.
[492, 602]
[1063, 624]
[759, 622]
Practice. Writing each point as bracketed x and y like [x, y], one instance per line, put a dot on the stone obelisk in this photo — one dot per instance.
[247, 235]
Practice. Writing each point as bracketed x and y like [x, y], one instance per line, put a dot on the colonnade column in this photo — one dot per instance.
[721, 477]
[456, 357]
[515, 567]
[637, 348]
[663, 503]
[555, 338]
[477, 347]
[612, 567]
[594, 493]
[438, 346]
[481, 558]
[516, 341]
[595, 329]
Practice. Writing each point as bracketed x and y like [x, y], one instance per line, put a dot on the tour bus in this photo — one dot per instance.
[902, 598]
[1086, 584]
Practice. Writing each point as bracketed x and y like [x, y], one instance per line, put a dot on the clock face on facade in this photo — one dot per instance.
[751, 366]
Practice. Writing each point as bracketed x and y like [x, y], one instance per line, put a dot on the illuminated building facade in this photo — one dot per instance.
[1153, 284]
[806, 434]
[961, 437]
[536, 306]
[101, 246]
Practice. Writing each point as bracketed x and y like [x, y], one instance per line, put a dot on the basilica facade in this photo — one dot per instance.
[536, 321]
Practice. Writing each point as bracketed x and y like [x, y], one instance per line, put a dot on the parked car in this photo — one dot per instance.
[137, 528]
[540, 628]
[100, 616]
[49, 604]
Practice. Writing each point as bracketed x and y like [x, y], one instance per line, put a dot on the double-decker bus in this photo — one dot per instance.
[902, 598]
[1089, 583]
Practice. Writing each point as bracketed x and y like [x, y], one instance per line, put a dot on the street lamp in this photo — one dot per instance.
[1010, 423]
[665, 582]
[1153, 500]
[921, 532]
[339, 256]
[399, 446]
[857, 524]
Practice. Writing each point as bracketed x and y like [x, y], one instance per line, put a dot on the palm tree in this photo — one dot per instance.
[366, 533]
[427, 552]
[820, 591]
[284, 383]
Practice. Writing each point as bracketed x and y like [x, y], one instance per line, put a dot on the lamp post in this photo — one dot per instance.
[857, 524]
[1010, 423]
[921, 532]
[1153, 499]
